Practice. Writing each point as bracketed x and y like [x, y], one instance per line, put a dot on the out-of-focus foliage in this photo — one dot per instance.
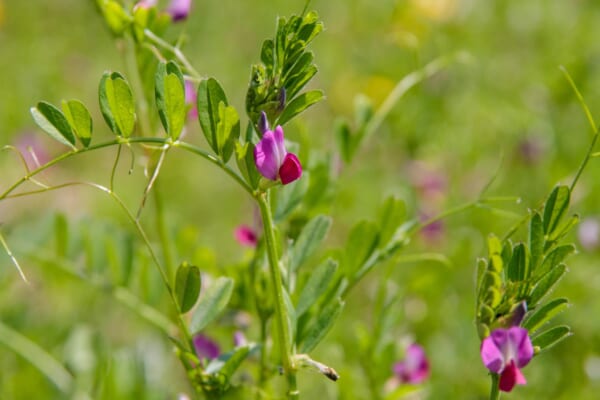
[505, 103]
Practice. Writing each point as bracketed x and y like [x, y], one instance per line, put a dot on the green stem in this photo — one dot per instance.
[585, 161]
[262, 377]
[403, 86]
[281, 317]
[146, 140]
[175, 50]
[494, 391]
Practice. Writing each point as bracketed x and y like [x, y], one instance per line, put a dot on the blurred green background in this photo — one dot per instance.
[505, 107]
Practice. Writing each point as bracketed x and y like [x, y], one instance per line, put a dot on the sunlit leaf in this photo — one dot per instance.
[187, 286]
[53, 122]
[212, 302]
[538, 317]
[316, 285]
[309, 240]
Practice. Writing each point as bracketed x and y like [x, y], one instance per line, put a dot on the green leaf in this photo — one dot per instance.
[311, 27]
[555, 207]
[551, 337]
[228, 131]
[214, 300]
[187, 286]
[267, 56]
[546, 283]
[536, 240]
[518, 267]
[538, 317]
[556, 256]
[226, 364]
[494, 245]
[210, 94]
[362, 241]
[391, 215]
[324, 322]
[302, 62]
[245, 162]
[310, 238]
[53, 122]
[80, 119]
[296, 82]
[299, 104]
[170, 98]
[115, 16]
[316, 285]
[116, 103]
[345, 140]
[562, 230]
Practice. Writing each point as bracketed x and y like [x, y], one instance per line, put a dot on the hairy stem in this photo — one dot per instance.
[494, 390]
[281, 317]
[145, 140]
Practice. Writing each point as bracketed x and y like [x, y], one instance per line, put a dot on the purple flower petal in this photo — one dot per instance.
[291, 169]
[246, 236]
[414, 369]
[205, 347]
[491, 355]
[179, 9]
[266, 157]
[523, 347]
[279, 143]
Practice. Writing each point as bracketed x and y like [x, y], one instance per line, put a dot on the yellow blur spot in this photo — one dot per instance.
[437, 10]
[1, 12]
[377, 88]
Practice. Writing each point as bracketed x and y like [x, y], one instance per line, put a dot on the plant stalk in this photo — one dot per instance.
[281, 317]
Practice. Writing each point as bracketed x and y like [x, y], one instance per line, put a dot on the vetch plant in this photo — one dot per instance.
[279, 304]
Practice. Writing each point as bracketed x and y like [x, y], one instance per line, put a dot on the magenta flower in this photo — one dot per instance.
[191, 97]
[504, 352]
[414, 369]
[246, 236]
[205, 347]
[272, 159]
[179, 9]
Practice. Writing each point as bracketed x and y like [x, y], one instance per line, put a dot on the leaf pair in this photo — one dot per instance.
[74, 121]
[219, 121]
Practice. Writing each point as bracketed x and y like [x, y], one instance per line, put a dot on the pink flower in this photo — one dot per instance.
[414, 369]
[246, 236]
[272, 159]
[146, 3]
[179, 9]
[589, 234]
[191, 97]
[239, 339]
[504, 352]
[205, 347]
